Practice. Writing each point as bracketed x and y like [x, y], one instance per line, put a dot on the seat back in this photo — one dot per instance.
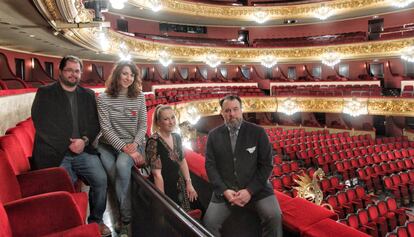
[24, 139]
[10, 188]
[5, 230]
[14, 152]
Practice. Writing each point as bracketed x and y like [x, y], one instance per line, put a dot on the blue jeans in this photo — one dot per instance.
[90, 168]
[118, 166]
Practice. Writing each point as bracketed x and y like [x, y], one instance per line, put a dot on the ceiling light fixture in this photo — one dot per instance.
[155, 5]
[288, 107]
[407, 54]
[400, 3]
[268, 61]
[355, 107]
[124, 53]
[260, 16]
[118, 4]
[212, 60]
[164, 58]
[103, 41]
[323, 12]
[331, 59]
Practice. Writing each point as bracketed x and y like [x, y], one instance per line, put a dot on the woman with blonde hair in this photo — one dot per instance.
[166, 158]
[123, 120]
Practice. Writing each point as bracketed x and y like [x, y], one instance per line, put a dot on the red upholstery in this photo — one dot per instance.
[11, 146]
[36, 182]
[196, 164]
[24, 139]
[326, 228]
[298, 214]
[44, 215]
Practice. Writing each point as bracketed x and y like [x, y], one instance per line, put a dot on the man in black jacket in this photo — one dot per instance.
[66, 122]
[238, 165]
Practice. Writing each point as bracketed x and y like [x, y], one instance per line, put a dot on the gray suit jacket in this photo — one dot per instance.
[248, 167]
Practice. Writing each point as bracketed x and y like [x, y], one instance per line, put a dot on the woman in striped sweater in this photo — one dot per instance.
[123, 120]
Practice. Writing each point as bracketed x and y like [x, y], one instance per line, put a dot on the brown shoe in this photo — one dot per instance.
[104, 230]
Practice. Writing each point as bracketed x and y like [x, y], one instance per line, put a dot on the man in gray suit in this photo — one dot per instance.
[239, 164]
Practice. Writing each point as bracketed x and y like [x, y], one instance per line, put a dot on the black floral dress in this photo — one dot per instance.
[160, 156]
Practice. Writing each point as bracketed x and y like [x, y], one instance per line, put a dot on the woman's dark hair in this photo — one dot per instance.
[112, 84]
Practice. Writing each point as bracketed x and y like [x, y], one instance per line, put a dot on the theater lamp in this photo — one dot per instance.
[288, 107]
[188, 117]
[407, 54]
[212, 60]
[400, 3]
[323, 12]
[155, 5]
[260, 16]
[118, 4]
[164, 58]
[124, 52]
[355, 107]
[331, 59]
[268, 61]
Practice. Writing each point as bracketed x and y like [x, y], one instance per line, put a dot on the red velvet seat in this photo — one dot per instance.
[376, 218]
[400, 212]
[24, 139]
[364, 221]
[53, 214]
[15, 187]
[391, 217]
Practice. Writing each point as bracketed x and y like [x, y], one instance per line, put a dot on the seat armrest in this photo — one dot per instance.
[43, 214]
[45, 181]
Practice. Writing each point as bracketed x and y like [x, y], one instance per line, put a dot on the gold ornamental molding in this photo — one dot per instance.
[72, 11]
[273, 12]
[377, 106]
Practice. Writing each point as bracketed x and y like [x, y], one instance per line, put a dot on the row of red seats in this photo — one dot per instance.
[322, 139]
[285, 168]
[406, 230]
[401, 186]
[349, 201]
[377, 219]
[378, 153]
[329, 163]
[46, 195]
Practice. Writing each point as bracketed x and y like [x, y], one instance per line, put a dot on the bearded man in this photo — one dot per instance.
[238, 165]
[66, 122]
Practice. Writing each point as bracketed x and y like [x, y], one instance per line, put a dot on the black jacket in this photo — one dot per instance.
[52, 117]
[252, 166]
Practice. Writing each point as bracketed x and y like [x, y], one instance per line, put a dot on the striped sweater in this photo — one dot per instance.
[123, 120]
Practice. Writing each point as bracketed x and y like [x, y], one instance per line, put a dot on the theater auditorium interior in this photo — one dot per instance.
[330, 81]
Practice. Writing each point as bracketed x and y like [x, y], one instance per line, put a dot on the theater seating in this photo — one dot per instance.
[53, 214]
[28, 184]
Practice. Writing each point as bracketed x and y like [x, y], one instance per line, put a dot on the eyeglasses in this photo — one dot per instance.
[73, 71]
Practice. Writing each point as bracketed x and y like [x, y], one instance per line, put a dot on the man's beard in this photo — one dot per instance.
[68, 83]
[234, 123]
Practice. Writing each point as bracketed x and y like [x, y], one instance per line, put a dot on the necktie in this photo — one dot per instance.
[233, 138]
